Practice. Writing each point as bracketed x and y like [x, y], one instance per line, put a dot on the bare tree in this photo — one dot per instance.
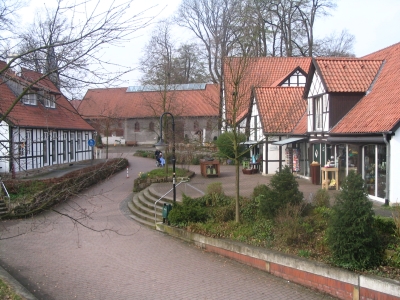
[68, 48]
[165, 63]
[336, 45]
[214, 23]
[8, 10]
[309, 11]
[238, 85]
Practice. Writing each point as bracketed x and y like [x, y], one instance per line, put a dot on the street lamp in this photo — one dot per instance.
[161, 146]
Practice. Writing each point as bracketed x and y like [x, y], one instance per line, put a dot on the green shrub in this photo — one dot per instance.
[393, 257]
[260, 189]
[195, 160]
[351, 235]
[396, 219]
[263, 231]
[226, 142]
[282, 190]
[249, 209]
[290, 227]
[321, 198]
[191, 210]
[223, 213]
[215, 195]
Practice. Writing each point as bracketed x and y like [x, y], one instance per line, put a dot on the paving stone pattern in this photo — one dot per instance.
[57, 258]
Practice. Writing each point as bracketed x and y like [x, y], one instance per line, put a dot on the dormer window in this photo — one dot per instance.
[50, 101]
[296, 79]
[29, 99]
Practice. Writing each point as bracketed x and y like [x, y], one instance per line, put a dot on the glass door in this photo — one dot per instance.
[369, 168]
[381, 171]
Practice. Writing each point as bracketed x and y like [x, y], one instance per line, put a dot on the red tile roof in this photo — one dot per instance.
[75, 103]
[280, 108]
[301, 126]
[123, 104]
[256, 72]
[347, 75]
[379, 110]
[64, 116]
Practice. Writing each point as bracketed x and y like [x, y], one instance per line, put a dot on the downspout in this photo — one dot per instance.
[387, 194]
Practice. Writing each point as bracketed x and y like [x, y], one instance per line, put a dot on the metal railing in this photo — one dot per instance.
[186, 180]
[8, 195]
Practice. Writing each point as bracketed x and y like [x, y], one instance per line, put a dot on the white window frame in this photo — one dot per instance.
[28, 142]
[30, 99]
[50, 102]
[319, 104]
[78, 141]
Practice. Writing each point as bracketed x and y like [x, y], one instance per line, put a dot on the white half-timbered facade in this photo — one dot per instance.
[42, 129]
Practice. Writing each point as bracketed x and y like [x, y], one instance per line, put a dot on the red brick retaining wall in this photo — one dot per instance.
[334, 281]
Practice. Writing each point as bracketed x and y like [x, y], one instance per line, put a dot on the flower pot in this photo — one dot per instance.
[247, 171]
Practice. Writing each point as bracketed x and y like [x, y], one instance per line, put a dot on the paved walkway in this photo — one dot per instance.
[56, 257]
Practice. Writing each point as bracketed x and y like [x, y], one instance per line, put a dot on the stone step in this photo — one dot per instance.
[137, 217]
[142, 203]
[142, 206]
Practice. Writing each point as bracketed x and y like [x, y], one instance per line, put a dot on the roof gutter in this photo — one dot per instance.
[356, 139]
[387, 194]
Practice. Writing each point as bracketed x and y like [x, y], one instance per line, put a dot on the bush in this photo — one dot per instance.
[321, 198]
[351, 235]
[396, 219]
[225, 143]
[283, 189]
[289, 227]
[195, 160]
[215, 195]
[191, 210]
[249, 209]
[260, 189]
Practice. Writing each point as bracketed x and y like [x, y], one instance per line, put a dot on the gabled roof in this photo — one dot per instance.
[280, 108]
[255, 72]
[347, 75]
[301, 126]
[379, 110]
[64, 116]
[119, 102]
[75, 103]
[28, 77]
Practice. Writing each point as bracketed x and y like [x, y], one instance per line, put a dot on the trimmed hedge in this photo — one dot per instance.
[60, 189]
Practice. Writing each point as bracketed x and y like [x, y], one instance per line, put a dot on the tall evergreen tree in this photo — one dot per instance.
[352, 237]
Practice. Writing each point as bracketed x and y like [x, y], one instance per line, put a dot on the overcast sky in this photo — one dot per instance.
[375, 25]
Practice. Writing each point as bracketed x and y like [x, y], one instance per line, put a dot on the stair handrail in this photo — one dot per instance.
[155, 203]
[8, 195]
[184, 180]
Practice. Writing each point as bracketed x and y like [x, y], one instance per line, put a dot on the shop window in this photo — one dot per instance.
[375, 170]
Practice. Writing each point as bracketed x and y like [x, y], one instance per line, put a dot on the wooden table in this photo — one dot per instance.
[325, 177]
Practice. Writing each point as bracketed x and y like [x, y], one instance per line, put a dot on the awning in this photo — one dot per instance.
[356, 139]
[249, 143]
[288, 141]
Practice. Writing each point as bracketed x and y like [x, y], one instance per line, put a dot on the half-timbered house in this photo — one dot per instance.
[39, 127]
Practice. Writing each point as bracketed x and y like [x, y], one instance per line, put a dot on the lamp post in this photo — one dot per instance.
[161, 146]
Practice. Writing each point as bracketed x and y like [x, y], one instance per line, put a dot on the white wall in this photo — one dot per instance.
[4, 144]
[394, 186]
